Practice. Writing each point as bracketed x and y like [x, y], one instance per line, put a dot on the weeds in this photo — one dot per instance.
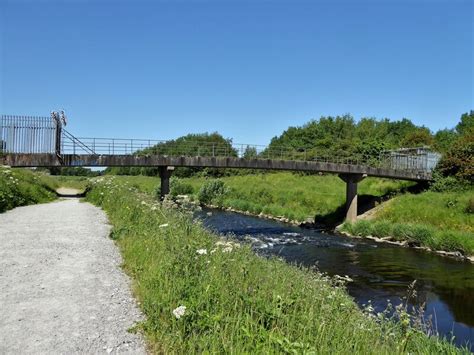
[204, 294]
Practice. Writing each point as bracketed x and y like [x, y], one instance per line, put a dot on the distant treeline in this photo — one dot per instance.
[331, 136]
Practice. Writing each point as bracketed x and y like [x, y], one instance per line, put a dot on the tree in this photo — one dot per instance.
[466, 125]
[418, 137]
[444, 139]
[250, 152]
[459, 159]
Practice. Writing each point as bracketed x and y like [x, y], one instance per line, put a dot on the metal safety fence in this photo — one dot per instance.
[27, 134]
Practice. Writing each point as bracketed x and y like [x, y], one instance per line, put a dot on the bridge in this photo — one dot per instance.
[27, 141]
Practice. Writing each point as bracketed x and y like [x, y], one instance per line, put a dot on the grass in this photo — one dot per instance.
[294, 196]
[24, 187]
[438, 220]
[236, 302]
[21, 187]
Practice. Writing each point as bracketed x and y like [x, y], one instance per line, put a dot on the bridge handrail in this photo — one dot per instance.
[124, 146]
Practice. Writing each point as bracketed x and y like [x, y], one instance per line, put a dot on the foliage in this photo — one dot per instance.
[74, 171]
[442, 210]
[443, 139]
[459, 159]
[418, 234]
[341, 136]
[466, 124]
[235, 301]
[212, 191]
[296, 196]
[23, 187]
[442, 183]
[438, 220]
[180, 187]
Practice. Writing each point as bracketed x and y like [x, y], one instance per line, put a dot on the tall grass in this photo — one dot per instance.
[236, 302]
[437, 220]
[24, 187]
[295, 196]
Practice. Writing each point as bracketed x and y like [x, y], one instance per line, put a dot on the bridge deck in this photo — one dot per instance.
[49, 160]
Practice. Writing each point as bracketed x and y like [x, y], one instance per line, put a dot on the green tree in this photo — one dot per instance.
[466, 124]
[459, 159]
[443, 139]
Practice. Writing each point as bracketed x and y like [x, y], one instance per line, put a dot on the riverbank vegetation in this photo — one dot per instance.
[297, 197]
[437, 220]
[201, 293]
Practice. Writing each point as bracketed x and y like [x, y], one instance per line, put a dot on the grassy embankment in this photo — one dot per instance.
[21, 187]
[24, 187]
[437, 220]
[236, 301]
[295, 197]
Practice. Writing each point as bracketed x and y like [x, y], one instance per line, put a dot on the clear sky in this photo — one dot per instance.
[247, 69]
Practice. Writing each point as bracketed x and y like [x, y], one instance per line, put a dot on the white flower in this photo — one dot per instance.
[179, 312]
[201, 251]
[163, 225]
[227, 249]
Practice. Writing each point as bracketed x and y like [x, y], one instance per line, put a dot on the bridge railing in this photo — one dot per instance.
[27, 134]
[116, 146]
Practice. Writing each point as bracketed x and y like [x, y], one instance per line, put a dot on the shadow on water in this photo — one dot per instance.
[380, 272]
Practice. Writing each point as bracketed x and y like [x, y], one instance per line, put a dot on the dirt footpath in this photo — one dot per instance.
[61, 286]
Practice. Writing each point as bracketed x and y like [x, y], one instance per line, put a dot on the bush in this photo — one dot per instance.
[459, 160]
[442, 183]
[212, 191]
[180, 187]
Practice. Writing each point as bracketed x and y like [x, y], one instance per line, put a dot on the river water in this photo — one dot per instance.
[379, 271]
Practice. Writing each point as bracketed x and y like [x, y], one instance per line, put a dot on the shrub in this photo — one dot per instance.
[212, 191]
[180, 187]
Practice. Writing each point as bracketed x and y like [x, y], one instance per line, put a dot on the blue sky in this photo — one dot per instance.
[247, 69]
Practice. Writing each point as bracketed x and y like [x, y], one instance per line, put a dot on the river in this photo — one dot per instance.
[380, 272]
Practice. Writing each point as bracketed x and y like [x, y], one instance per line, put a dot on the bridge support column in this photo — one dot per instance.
[165, 174]
[351, 181]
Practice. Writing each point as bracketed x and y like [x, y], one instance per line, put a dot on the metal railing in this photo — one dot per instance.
[144, 147]
[27, 134]
[33, 135]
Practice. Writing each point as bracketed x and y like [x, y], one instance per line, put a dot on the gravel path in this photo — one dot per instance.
[61, 286]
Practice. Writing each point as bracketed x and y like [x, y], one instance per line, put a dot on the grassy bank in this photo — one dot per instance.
[437, 220]
[235, 301]
[24, 187]
[297, 197]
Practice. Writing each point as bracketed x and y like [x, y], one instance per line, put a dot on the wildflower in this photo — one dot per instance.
[143, 203]
[163, 225]
[179, 312]
[227, 249]
[201, 251]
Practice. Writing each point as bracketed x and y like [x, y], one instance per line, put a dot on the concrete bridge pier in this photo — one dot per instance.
[165, 174]
[351, 181]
